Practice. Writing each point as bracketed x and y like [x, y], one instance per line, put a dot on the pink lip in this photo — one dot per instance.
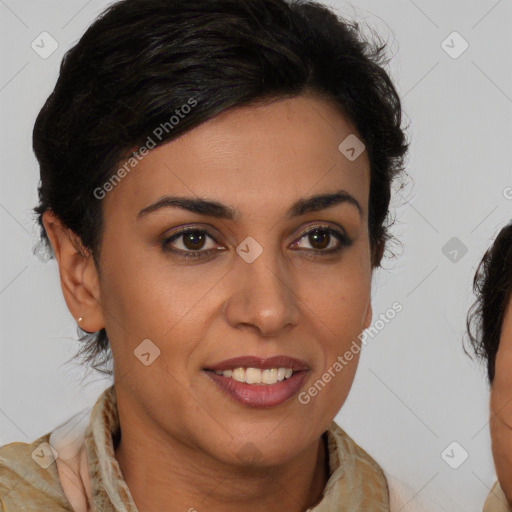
[280, 361]
[260, 395]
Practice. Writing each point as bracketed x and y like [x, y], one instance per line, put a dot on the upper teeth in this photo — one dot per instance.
[257, 376]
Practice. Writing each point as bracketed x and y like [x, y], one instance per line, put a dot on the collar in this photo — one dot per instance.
[92, 479]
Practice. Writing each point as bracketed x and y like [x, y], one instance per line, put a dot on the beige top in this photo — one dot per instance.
[497, 501]
[73, 468]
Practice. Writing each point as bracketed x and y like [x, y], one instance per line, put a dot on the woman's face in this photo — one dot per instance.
[259, 284]
[501, 406]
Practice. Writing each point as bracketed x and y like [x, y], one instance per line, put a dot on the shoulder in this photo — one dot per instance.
[29, 479]
[376, 481]
[402, 495]
[347, 457]
[353, 451]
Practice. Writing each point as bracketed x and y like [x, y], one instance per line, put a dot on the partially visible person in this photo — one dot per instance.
[489, 326]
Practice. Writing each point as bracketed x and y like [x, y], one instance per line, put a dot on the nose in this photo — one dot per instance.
[263, 295]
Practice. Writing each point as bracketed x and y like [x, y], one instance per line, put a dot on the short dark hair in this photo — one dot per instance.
[492, 286]
[142, 60]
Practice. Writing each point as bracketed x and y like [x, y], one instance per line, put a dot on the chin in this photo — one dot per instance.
[259, 451]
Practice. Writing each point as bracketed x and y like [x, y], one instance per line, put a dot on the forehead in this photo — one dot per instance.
[265, 154]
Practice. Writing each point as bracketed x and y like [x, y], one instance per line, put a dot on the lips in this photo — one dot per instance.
[258, 395]
[280, 361]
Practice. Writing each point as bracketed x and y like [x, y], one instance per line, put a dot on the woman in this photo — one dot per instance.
[490, 331]
[215, 183]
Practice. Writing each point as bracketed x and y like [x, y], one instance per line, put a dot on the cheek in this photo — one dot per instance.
[342, 304]
[501, 391]
[501, 436]
[344, 296]
[147, 292]
[147, 297]
[501, 409]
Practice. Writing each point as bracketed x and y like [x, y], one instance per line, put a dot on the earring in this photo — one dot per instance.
[80, 319]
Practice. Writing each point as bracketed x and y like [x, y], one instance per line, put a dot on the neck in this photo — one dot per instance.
[174, 477]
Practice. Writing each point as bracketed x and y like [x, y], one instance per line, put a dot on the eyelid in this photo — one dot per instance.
[181, 230]
[326, 225]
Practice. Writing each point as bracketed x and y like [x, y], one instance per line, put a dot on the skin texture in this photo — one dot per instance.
[501, 407]
[181, 435]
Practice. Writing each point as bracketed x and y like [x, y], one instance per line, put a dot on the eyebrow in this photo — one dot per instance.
[221, 211]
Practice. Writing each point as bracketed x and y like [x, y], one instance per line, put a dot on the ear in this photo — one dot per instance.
[78, 275]
[368, 317]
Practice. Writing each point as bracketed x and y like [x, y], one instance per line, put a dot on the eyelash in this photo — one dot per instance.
[343, 240]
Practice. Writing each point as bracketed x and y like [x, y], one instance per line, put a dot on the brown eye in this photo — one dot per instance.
[189, 242]
[194, 240]
[321, 239]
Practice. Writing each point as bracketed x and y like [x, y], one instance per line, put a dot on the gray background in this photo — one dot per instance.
[416, 391]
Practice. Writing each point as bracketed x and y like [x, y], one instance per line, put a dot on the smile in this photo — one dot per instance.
[258, 395]
[268, 376]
